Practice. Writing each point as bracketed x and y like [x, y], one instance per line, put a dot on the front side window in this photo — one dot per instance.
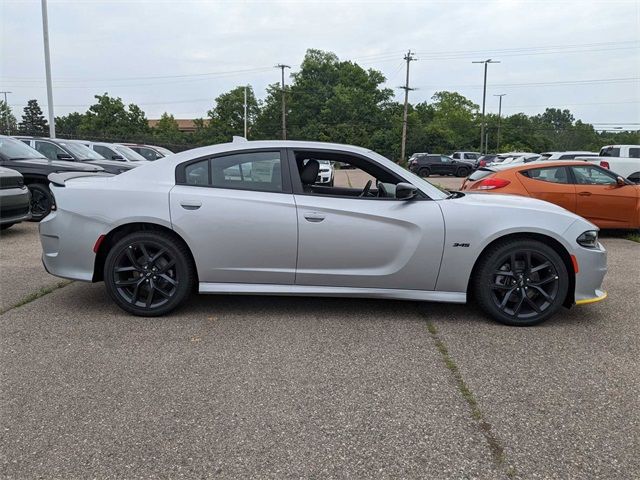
[146, 153]
[589, 175]
[49, 150]
[108, 153]
[445, 159]
[548, 174]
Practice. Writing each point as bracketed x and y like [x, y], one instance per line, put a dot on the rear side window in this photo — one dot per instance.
[610, 152]
[456, 155]
[480, 174]
[548, 174]
[634, 152]
[259, 171]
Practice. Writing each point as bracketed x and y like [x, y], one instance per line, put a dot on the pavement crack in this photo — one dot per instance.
[36, 295]
[495, 445]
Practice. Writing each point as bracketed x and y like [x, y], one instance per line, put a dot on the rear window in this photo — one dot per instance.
[634, 152]
[480, 174]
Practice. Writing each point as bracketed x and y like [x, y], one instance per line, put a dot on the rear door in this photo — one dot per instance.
[368, 242]
[552, 184]
[237, 214]
[601, 200]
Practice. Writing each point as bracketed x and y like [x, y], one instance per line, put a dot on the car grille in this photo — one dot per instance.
[11, 182]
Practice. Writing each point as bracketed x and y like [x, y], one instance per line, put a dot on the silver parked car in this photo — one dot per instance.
[249, 218]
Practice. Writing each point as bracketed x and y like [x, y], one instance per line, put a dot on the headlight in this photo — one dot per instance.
[588, 239]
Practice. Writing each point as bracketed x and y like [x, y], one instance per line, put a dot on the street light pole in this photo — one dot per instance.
[6, 104]
[284, 103]
[500, 95]
[47, 64]
[484, 96]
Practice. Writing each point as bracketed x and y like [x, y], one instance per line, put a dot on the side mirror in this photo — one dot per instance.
[406, 191]
[621, 181]
[64, 156]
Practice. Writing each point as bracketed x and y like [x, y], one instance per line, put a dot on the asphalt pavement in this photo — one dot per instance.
[268, 387]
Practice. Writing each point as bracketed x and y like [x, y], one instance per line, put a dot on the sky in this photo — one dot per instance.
[177, 56]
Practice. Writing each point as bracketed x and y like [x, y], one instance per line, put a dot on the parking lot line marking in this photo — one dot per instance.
[36, 295]
[495, 445]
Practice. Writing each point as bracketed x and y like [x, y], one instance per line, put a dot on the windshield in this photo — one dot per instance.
[130, 154]
[81, 151]
[164, 151]
[16, 150]
[434, 192]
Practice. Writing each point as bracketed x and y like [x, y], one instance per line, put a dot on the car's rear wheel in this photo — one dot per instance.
[462, 172]
[521, 282]
[149, 273]
[424, 172]
[41, 201]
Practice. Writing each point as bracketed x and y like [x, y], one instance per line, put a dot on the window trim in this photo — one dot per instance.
[180, 176]
[297, 183]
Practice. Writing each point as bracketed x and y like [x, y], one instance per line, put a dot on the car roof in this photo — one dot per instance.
[543, 163]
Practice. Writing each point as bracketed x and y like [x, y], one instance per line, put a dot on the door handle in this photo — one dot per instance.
[314, 217]
[190, 205]
[584, 194]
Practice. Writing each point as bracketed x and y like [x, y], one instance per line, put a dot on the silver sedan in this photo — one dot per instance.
[250, 218]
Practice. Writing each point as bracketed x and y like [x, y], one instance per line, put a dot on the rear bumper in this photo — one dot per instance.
[67, 245]
[14, 205]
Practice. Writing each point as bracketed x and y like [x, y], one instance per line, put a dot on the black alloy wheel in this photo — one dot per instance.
[41, 201]
[522, 283]
[148, 273]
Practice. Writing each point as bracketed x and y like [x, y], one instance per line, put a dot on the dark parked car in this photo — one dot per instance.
[35, 168]
[150, 152]
[426, 165]
[58, 149]
[14, 198]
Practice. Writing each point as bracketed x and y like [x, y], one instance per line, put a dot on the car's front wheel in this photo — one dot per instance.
[521, 282]
[41, 201]
[462, 172]
[149, 273]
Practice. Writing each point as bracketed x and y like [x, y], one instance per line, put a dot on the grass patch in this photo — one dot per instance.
[495, 446]
[634, 237]
[37, 294]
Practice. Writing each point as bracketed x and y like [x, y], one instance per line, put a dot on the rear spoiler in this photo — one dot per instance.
[60, 178]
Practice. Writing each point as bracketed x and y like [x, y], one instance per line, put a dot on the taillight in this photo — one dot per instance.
[491, 184]
[482, 163]
[604, 164]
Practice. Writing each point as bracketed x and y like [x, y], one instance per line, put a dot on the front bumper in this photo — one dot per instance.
[592, 267]
[14, 205]
[324, 177]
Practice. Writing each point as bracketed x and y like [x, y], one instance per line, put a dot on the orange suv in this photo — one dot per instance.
[595, 193]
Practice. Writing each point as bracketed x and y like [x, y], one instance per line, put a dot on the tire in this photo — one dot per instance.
[132, 282]
[6, 225]
[516, 297]
[424, 172]
[41, 201]
[331, 183]
[462, 172]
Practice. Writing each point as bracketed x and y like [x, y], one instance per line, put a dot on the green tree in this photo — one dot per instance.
[109, 118]
[68, 126]
[166, 131]
[33, 121]
[7, 119]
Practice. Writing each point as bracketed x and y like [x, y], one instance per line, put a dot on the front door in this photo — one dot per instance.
[357, 234]
[237, 214]
[601, 200]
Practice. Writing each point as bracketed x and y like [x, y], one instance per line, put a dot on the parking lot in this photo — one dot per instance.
[236, 386]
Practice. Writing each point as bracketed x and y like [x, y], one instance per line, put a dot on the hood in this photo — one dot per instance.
[497, 201]
[60, 165]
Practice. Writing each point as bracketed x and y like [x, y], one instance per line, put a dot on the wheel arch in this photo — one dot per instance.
[123, 230]
[548, 240]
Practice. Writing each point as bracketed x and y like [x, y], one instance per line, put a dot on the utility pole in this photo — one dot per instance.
[7, 116]
[408, 58]
[284, 103]
[484, 96]
[245, 111]
[47, 65]
[500, 95]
